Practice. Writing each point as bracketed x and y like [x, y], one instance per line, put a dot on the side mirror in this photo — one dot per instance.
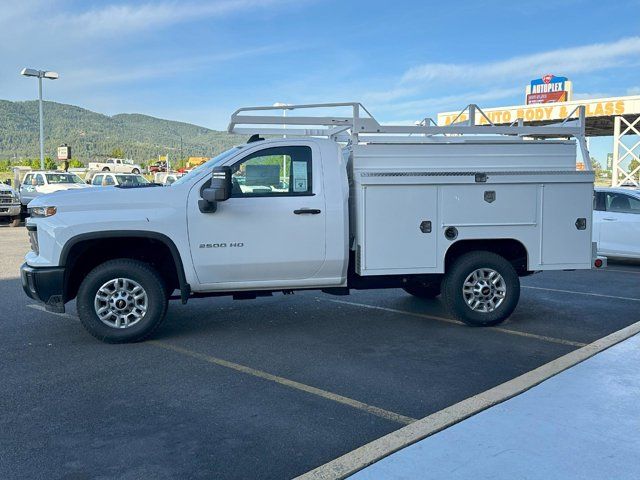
[221, 182]
[219, 191]
[8, 181]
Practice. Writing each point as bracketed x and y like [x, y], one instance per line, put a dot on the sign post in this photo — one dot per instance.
[64, 155]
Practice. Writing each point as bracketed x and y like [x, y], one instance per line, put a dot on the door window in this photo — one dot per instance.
[97, 180]
[27, 179]
[277, 171]
[622, 203]
[108, 180]
[599, 201]
[39, 180]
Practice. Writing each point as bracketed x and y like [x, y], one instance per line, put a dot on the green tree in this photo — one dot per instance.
[75, 163]
[633, 164]
[117, 153]
[50, 164]
[597, 168]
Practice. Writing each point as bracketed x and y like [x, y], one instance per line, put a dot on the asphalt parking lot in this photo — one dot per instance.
[266, 388]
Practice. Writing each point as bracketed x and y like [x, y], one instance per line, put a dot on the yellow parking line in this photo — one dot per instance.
[41, 308]
[583, 293]
[362, 457]
[378, 412]
[545, 338]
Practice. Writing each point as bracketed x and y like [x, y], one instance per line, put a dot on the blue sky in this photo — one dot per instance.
[197, 61]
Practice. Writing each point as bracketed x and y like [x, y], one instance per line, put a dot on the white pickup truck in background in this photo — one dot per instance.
[9, 205]
[116, 165]
[41, 182]
[341, 203]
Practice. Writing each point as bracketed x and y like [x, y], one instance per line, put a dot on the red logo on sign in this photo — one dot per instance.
[547, 78]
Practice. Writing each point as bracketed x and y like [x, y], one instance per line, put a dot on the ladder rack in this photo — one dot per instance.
[361, 126]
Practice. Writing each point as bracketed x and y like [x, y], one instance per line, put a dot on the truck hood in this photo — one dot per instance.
[6, 188]
[105, 199]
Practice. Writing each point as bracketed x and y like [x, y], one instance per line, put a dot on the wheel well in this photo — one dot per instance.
[511, 249]
[85, 255]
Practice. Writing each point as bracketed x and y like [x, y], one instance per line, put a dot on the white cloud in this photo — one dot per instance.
[435, 87]
[567, 61]
[132, 18]
[166, 68]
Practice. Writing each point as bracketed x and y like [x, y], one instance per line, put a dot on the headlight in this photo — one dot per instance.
[15, 197]
[38, 212]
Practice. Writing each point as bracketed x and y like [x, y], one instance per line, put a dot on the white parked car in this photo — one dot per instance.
[116, 165]
[38, 183]
[616, 222]
[121, 179]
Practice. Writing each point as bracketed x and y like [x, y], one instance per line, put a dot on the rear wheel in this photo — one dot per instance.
[135, 170]
[423, 289]
[122, 301]
[106, 169]
[481, 289]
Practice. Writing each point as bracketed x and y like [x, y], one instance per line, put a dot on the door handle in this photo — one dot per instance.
[609, 219]
[307, 211]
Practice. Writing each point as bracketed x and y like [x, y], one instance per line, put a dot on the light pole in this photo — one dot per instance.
[30, 72]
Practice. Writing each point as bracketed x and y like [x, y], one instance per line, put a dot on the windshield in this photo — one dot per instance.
[207, 165]
[56, 178]
[130, 180]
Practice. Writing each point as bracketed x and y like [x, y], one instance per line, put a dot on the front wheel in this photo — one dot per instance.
[481, 289]
[122, 301]
[136, 171]
[106, 169]
[15, 221]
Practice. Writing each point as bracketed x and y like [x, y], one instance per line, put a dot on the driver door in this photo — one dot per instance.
[272, 229]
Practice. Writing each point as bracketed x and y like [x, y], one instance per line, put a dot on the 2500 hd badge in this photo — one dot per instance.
[221, 245]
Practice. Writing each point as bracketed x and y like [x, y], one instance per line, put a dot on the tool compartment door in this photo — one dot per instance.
[393, 238]
[563, 243]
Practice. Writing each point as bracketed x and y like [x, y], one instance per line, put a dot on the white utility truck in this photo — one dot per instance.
[339, 203]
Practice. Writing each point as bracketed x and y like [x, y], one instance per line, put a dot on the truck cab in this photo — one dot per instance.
[326, 209]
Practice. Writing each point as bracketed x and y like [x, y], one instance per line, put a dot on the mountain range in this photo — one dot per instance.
[93, 135]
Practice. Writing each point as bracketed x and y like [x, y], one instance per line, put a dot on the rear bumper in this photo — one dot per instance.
[44, 285]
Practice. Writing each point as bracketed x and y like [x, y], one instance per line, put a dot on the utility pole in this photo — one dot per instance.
[31, 72]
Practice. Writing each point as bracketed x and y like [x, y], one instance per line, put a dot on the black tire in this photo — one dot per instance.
[139, 272]
[462, 268]
[106, 169]
[423, 290]
[15, 221]
[136, 171]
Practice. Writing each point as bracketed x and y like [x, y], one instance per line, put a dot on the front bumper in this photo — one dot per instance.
[10, 210]
[45, 284]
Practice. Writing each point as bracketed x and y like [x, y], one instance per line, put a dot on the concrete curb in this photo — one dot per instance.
[364, 456]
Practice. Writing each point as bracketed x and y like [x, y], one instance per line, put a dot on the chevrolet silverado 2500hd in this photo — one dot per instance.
[462, 210]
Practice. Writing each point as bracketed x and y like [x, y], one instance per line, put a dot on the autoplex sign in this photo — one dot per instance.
[605, 107]
[548, 89]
